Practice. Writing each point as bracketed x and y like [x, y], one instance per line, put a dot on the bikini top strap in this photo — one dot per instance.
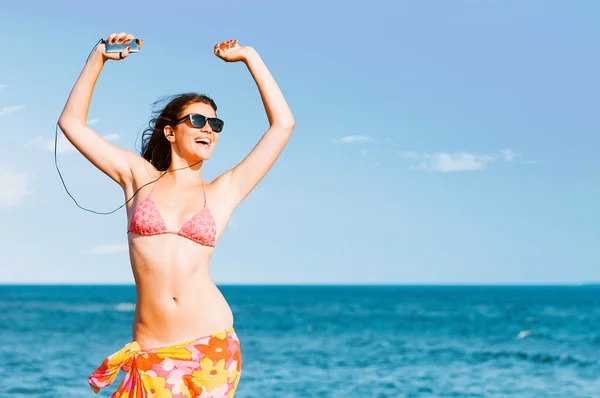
[156, 183]
[204, 193]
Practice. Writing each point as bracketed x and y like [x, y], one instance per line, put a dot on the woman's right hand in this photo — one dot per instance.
[117, 38]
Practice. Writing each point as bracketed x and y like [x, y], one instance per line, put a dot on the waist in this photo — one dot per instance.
[162, 318]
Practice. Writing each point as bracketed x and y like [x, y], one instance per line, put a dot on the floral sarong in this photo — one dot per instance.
[205, 367]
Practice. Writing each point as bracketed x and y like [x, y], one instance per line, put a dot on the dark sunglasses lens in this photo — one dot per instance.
[216, 124]
[198, 121]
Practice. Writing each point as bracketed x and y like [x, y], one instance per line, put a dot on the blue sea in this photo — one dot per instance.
[327, 341]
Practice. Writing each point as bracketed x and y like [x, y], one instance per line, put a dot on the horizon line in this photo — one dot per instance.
[323, 284]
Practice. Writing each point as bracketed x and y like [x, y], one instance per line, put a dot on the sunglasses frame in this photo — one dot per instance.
[210, 121]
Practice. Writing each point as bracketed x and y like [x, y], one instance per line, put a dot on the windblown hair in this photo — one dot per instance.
[155, 147]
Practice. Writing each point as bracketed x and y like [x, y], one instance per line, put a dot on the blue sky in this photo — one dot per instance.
[435, 142]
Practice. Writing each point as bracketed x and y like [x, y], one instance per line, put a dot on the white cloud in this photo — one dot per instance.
[410, 155]
[353, 139]
[109, 249]
[63, 145]
[91, 122]
[14, 187]
[232, 225]
[7, 110]
[508, 155]
[111, 137]
[460, 161]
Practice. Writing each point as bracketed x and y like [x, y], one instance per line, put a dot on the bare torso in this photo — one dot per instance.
[176, 297]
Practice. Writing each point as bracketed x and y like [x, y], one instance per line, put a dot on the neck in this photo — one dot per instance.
[185, 172]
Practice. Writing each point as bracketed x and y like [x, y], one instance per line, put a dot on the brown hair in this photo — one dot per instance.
[155, 147]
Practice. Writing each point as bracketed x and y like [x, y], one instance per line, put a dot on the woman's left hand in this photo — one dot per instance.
[231, 51]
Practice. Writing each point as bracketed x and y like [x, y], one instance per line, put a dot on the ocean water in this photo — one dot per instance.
[325, 341]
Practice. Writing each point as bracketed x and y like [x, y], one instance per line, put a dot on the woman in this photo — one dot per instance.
[183, 343]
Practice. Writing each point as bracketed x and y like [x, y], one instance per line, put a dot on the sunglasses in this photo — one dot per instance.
[198, 121]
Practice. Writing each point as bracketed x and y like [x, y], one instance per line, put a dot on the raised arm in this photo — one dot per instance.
[242, 179]
[110, 159]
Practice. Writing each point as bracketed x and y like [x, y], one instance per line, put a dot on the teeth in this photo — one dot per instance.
[203, 140]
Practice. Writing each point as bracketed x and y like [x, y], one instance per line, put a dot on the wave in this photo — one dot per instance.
[541, 358]
[125, 307]
[523, 334]
[45, 306]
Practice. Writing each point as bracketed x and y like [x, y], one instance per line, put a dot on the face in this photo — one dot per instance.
[194, 143]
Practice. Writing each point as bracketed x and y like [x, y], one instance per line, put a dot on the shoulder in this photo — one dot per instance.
[221, 185]
[221, 189]
[142, 172]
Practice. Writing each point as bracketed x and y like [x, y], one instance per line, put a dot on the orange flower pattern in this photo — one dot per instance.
[206, 367]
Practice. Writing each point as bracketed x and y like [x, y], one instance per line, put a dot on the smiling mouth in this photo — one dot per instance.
[203, 141]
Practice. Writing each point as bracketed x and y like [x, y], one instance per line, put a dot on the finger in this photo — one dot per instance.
[141, 43]
[129, 38]
[121, 37]
[125, 52]
[111, 38]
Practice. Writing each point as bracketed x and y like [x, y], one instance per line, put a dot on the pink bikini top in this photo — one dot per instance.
[147, 221]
